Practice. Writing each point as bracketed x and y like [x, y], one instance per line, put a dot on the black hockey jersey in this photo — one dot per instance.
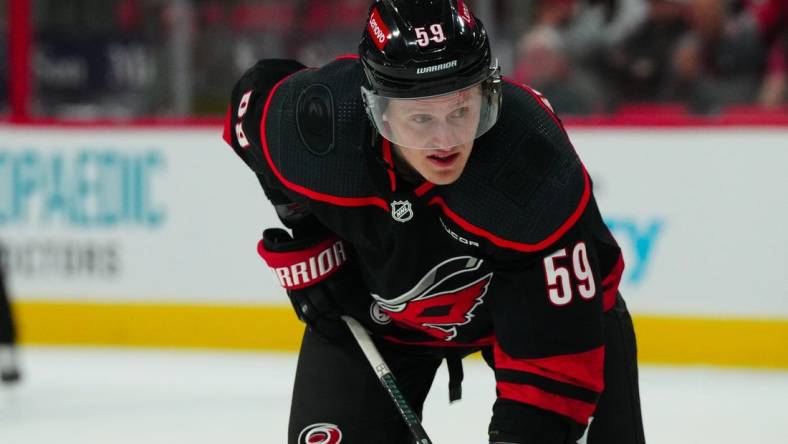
[513, 256]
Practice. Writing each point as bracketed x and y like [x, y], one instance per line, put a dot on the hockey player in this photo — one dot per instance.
[9, 370]
[446, 210]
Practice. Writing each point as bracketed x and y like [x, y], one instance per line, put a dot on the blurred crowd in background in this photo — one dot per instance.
[179, 58]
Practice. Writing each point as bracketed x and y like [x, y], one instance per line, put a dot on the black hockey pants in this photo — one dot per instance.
[336, 391]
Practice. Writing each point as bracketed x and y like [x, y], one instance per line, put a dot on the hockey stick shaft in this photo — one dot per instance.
[387, 379]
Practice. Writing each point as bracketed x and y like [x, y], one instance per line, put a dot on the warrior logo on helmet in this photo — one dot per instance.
[443, 299]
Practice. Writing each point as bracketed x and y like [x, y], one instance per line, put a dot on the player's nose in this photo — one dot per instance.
[444, 136]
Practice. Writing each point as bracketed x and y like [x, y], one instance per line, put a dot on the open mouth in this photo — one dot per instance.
[443, 159]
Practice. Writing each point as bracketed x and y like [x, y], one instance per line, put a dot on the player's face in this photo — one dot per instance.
[443, 128]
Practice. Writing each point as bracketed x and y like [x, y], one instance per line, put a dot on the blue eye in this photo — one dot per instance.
[421, 118]
[459, 113]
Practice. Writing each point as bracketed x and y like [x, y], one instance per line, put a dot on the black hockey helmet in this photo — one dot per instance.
[415, 49]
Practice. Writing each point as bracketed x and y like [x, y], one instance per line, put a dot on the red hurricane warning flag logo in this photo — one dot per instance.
[465, 13]
[443, 299]
[321, 433]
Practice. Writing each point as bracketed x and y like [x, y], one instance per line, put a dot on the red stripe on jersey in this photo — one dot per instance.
[610, 284]
[579, 411]
[386, 145]
[520, 246]
[423, 188]
[226, 134]
[312, 194]
[346, 57]
[585, 369]
[387, 156]
[541, 100]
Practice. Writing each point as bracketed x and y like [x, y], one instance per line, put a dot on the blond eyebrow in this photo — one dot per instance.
[459, 98]
[428, 109]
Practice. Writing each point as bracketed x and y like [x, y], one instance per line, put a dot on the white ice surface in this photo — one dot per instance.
[87, 396]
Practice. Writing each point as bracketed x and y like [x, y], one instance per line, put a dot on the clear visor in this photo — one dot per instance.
[436, 122]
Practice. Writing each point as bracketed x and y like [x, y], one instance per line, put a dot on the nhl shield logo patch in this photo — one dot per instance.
[401, 210]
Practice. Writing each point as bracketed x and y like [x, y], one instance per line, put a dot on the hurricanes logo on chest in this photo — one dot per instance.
[443, 299]
[401, 210]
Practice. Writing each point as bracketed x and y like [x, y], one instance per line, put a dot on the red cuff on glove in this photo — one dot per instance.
[304, 268]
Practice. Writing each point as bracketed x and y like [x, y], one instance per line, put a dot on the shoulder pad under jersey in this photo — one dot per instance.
[314, 132]
[248, 95]
[524, 185]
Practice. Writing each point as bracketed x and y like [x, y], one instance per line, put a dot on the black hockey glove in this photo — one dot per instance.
[314, 272]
